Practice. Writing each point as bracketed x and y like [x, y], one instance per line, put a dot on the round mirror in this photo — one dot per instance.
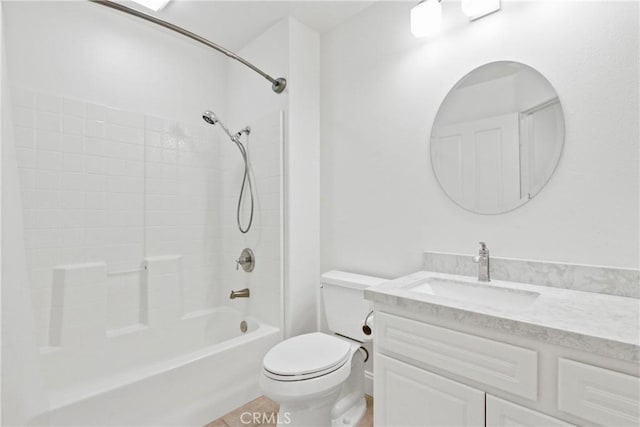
[497, 137]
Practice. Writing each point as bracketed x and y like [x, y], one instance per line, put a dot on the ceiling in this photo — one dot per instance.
[233, 24]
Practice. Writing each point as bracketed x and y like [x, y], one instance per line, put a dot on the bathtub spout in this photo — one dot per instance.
[242, 293]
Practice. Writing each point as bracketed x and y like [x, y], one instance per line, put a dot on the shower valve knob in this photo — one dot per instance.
[246, 260]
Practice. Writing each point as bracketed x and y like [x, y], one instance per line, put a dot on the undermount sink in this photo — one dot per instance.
[474, 293]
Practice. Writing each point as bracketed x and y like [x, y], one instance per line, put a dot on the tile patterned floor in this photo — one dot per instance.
[269, 408]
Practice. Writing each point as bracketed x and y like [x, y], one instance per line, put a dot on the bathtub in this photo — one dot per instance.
[188, 372]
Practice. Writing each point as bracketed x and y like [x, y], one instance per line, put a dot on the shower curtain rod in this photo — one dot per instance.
[277, 85]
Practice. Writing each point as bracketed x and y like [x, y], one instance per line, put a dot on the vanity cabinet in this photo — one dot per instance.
[431, 375]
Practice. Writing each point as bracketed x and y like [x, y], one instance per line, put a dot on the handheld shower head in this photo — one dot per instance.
[210, 117]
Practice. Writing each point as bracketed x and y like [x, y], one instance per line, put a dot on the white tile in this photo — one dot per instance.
[72, 219]
[26, 158]
[125, 118]
[23, 97]
[126, 218]
[47, 121]
[95, 201]
[73, 162]
[47, 258]
[47, 180]
[50, 103]
[124, 184]
[116, 167]
[120, 150]
[169, 156]
[96, 112]
[41, 218]
[72, 237]
[48, 160]
[41, 199]
[96, 236]
[124, 201]
[72, 143]
[169, 141]
[48, 238]
[72, 181]
[134, 168]
[95, 218]
[27, 178]
[47, 140]
[23, 117]
[152, 139]
[98, 147]
[126, 134]
[74, 107]
[94, 182]
[73, 125]
[153, 123]
[72, 199]
[95, 129]
[25, 137]
[96, 164]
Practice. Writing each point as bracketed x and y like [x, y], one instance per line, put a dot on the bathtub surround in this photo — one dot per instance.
[106, 185]
[606, 280]
[297, 57]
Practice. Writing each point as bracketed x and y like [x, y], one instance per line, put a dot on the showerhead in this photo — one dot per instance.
[210, 117]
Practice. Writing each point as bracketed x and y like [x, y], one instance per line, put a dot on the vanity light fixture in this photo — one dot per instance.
[154, 5]
[476, 9]
[426, 18]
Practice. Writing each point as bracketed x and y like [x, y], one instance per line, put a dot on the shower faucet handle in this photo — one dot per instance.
[246, 260]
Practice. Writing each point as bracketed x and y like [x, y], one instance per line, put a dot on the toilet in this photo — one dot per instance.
[318, 378]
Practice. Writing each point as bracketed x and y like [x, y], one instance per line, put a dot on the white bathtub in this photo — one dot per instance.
[189, 372]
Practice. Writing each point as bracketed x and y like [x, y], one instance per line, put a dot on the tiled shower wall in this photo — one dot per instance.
[104, 185]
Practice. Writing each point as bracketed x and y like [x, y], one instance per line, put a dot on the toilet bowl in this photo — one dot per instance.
[317, 378]
[308, 376]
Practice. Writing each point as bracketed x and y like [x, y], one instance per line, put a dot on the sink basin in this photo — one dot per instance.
[474, 293]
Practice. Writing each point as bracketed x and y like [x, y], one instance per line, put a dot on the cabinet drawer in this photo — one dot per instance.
[410, 396]
[503, 366]
[501, 413]
[599, 395]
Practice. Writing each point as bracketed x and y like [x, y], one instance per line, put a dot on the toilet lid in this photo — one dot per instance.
[306, 354]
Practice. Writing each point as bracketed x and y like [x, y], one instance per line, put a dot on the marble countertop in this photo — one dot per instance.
[607, 325]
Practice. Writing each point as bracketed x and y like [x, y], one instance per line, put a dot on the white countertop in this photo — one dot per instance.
[605, 324]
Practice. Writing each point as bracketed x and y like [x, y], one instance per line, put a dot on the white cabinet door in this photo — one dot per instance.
[501, 413]
[409, 396]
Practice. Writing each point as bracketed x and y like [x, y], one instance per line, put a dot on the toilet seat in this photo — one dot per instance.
[305, 357]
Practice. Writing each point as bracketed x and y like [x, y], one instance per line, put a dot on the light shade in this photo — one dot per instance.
[475, 9]
[155, 5]
[426, 18]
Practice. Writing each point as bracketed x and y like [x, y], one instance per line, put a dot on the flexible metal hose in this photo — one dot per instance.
[246, 181]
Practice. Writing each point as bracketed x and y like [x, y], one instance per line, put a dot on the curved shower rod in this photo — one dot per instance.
[277, 85]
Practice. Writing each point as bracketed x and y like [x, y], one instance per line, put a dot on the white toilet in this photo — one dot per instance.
[318, 379]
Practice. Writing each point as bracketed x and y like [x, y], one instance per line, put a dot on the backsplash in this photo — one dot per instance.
[604, 280]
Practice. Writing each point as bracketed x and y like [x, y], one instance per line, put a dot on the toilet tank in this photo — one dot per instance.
[344, 304]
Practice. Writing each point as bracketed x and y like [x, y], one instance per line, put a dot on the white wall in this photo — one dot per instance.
[381, 89]
[100, 55]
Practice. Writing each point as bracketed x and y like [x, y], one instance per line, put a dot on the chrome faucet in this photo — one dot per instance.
[483, 263]
[242, 293]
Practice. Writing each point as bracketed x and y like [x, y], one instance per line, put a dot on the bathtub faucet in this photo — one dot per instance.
[242, 293]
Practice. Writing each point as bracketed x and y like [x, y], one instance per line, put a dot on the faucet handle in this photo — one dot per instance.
[483, 246]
